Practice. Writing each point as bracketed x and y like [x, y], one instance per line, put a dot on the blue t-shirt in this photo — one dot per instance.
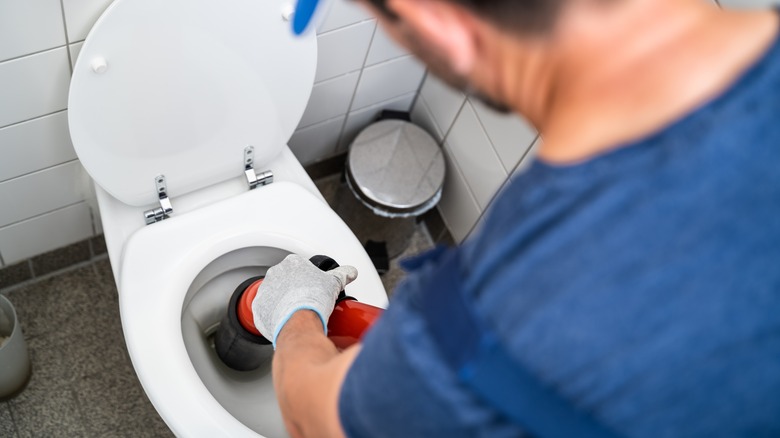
[644, 285]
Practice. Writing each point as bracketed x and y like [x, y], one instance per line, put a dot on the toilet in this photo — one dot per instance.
[180, 111]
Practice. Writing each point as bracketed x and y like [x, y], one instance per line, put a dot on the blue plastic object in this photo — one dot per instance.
[304, 13]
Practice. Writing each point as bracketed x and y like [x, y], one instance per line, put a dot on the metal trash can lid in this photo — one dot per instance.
[396, 169]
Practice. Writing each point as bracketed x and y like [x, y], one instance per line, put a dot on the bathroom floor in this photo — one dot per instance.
[82, 383]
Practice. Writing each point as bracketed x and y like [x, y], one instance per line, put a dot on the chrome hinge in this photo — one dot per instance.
[253, 178]
[165, 209]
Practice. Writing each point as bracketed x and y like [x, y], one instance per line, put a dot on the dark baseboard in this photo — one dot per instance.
[327, 167]
[52, 261]
[436, 227]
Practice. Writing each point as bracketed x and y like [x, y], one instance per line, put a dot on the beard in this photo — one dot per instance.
[441, 68]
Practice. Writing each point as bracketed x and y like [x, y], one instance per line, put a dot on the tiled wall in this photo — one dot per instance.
[359, 73]
[46, 198]
[482, 147]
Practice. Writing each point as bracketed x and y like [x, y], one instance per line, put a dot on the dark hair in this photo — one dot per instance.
[526, 16]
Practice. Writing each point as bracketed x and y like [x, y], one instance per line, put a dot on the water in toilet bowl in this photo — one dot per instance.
[242, 393]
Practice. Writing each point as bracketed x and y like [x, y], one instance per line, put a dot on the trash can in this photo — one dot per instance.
[14, 358]
[395, 170]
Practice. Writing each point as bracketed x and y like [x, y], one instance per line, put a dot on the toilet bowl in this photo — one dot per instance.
[180, 111]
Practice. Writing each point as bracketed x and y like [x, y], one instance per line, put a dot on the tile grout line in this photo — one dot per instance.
[13, 420]
[455, 161]
[419, 90]
[31, 268]
[39, 170]
[330, 119]
[73, 204]
[38, 52]
[67, 41]
[344, 26]
[75, 396]
[500, 189]
[10, 125]
[354, 92]
[487, 136]
[446, 134]
[93, 220]
[437, 130]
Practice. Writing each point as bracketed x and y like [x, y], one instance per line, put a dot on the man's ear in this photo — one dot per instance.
[445, 26]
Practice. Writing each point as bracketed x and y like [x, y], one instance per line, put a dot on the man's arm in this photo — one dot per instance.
[308, 372]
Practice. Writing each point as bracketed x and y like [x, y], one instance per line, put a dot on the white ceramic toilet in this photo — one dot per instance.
[177, 108]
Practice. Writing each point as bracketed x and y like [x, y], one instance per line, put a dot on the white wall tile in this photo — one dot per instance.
[343, 50]
[458, 207]
[343, 13]
[316, 142]
[81, 15]
[28, 26]
[748, 4]
[443, 101]
[45, 233]
[388, 80]
[511, 135]
[329, 99]
[75, 49]
[472, 150]
[35, 145]
[357, 120]
[34, 85]
[383, 48]
[43, 191]
[422, 117]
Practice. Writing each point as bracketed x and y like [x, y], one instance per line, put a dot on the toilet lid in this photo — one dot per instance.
[181, 87]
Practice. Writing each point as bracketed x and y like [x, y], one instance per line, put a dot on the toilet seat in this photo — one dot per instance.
[181, 87]
[155, 280]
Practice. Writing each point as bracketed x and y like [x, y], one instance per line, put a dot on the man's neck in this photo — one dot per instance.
[637, 69]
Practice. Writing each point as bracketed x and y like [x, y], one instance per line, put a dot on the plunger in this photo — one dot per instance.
[241, 346]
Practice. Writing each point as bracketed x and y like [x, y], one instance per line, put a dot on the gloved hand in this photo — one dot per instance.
[296, 284]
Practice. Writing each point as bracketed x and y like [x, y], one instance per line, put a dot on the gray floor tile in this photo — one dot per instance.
[98, 244]
[328, 187]
[7, 427]
[79, 357]
[50, 368]
[43, 411]
[15, 274]
[113, 402]
[67, 303]
[106, 274]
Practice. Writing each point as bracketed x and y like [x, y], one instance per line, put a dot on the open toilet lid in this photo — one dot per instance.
[181, 87]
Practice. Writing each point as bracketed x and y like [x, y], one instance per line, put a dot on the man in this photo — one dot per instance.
[633, 272]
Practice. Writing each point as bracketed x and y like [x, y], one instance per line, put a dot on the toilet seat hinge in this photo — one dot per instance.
[253, 178]
[165, 209]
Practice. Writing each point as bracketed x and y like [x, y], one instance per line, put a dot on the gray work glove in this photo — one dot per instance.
[296, 284]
